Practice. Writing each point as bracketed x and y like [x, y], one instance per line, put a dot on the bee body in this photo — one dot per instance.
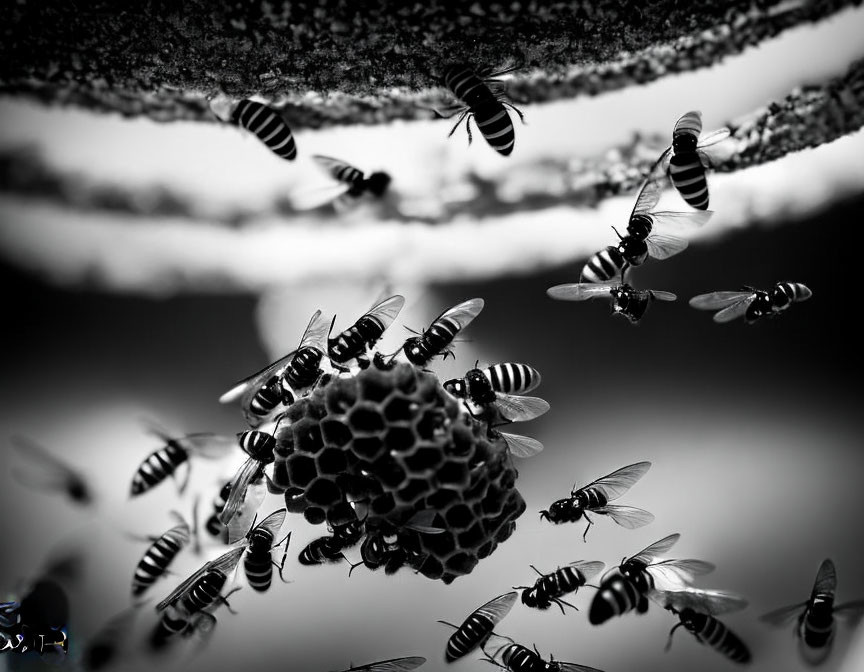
[550, 588]
[303, 370]
[365, 332]
[420, 350]
[817, 625]
[711, 632]
[214, 526]
[258, 445]
[752, 304]
[268, 125]
[619, 594]
[484, 106]
[158, 557]
[267, 398]
[158, 466]
[604, 266]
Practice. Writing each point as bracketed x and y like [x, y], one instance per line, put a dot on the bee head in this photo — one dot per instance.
[414, 351]
[640, 226]
[456, 387]
[377, 183]
[684, 142]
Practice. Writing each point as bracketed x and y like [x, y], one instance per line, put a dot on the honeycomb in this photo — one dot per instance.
[393, 443]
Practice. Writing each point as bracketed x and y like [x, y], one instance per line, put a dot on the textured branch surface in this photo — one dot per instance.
[329, 62]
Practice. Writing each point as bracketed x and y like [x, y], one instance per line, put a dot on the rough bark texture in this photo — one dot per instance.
[337, 62]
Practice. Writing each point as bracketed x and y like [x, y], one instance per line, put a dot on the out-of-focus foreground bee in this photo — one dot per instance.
[477, 628]
[420, 350]
[161, 553]
[47, 472]
[626, 301]
[351, 184]
[750, 303]
[392, 665]
[517, 658]
[266, 123]
[551, 587]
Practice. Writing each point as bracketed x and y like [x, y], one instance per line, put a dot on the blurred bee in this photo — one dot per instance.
[646, 237]
[501, 387]
[551, 587]
[477, 628]
[517, 658]
[626, 301]
[50, 473]
[329, 548]
[103, 646]
[164, 462]
[392, 665]
[214, 526]
[281, 382]
[356, 340]
[259, 447]
[628, 587]
[487, 107]
[752, 303]
[161, 553]
[421, 349]
[686, 159]
[258, 562]
[595, 497]
[265, 122]
[351, 185]
[815, 616]
[385, 547]
[696, 611]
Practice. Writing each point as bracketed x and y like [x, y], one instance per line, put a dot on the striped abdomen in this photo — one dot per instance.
[784, 294]
[560, 582]
[158, 557]
[688, 176]
[491, 116]
[618, 595]
[353, 341]
[258, 445]
[591, 498]
[519, 659]
[604, 265]
[713, 633]
[320, 550]
[173, 622]
[304, 367]
[157, 467]
[257, 562]
[817, 629]
[267, 398]
[437, 337]
[215, 526]
[347, 174]
[511, 378]
[472, 633]
[268, 125]
[205, 591]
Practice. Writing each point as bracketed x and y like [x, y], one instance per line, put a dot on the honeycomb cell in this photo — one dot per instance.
[461, 563]
[314, 515]
[366, 419]
[441, 499]
[441, 545]
[368, 448]
[416, 488]
[295, 500]
[453, 474]
[335, 433]
[383, 504]
[400, 409]
[331, 461]
[358, 488]
[432, 568]
[485, 550]
[301, 470]
[341, 514]
[376, 386]
[433, 425]
[473, 537]
[323, 492]
[340, 397]
[389, 474]
[459, 517]
[307, 436]
[423, 460]
[399, 439]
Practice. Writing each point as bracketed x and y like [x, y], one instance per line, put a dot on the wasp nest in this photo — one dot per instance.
[394, 442]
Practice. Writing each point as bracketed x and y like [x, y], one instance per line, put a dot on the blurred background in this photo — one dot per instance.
[114, 315]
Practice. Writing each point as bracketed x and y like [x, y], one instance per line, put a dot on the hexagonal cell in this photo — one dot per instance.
[505, 532]
[400, 409]
[331, 461]
[424, 459]
[439, 544]
[389, 473]
[441, 499]
[400, 439]
[494, 501]
[358, 487]
[383, 504]
[341, 514]
[295, 500]
[368, 448]
[340, 396]
[375, 386]
[433, 425]
[314, 515]
[461, 563]
[462, 442]
[307, 436]
[477, 490]
[335, 432]
[324, 492]
[453, 474]
[405, 378]
[365, 418]
[432, 568]
[301, 470]
[473, 537]
[414, 490]
[486, 550]
[280, 479]
[459, 517]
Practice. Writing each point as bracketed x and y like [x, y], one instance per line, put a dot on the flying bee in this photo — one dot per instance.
[161, 553]
[687, 158]
[392, 665]
[646, 237]
[629, 586]
[258, 562]
[697, 610]
[421, 349]
[752, 303]
[595, 497]
[356, 340]
[626, 301]
[103, 646]
[517, 658]
[477, 628]
[266, 123]
[501, 386]
[487, 107]
[351, 184]
[214, 526]
[551, 587]
[815, 616]
[259, 447]
[329, 547]
[281, 382]
[47, 472]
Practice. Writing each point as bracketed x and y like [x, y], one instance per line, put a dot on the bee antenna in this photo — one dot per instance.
[671, 632]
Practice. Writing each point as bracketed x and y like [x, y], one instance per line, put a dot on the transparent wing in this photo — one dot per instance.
[647, 554]
[316, 333]
[240, 523]
[589, 568]
[678, 572]
[308, 199]
[628, 517]
[517, 408]
[734, 311]
[331, 165]
[648, 196]
[522, 446]
[661, 246]
[679, 222]
[386, 311]
[713, 138]
[826, 578]
[210, 446]
[225, 563]
[273, 522]
[718, 300]
[574, 667]
[783, 615]
[711, 602]
[50, 471]
[464, 312]
[246, 389]
[496, 609]
[579, 291]
[424, 521]
[850, 611]
[392, 665]
[620, 481]
[246, 474]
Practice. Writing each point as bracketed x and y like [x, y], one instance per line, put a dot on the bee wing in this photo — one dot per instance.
[628, 517]
[245, 475]
[713, 138]
[240, 523]
[620, 481]
[387, 310]
[679, 572]
[309, 199]
[850, 611]
[711, 602]
[316, 333]
[331, 165]
[661, 246]
[246, 389]
[667, 221]
[496, 609]
[574, 667]
[392, 665]
[522, 446]
[518, 408]
[210, 446]
[718, 300]
[50, 471]
[273, 522]
[589, 569]
[783, 615]
[826, 578]
[657, 295]
[464, 312]
[224, 563]
[579, 291]
[648, 196]
[734, 311]
[647, 554]
[424, 521]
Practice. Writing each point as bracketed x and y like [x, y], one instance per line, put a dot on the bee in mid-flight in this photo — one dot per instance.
[687, 158]
[155, 562]
[487, 107]
[628, 587]
[420, 350]
[697, 611]
[750, 303]
[626, 301]
[549, 588]
[393, 665]
[477, 628]
[595, 497]
[351, 184]
[282, 381]
[258, 562]
[259, 447]
[356, 340]
[47, 472]
[517, 658]
[648, 235]
[815, 616]
[266, 123]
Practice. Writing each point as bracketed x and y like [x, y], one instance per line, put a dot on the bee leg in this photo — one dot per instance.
[588, 527]
[517, 111]
[224, 599]
[462, 118]
[560, 602]
[671, 632]
[449, 112]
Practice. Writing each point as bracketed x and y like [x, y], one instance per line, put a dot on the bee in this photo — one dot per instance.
[214, 526]
[595, 497]
[421, 349]
[487, 107]
[477, 628]
[501, 386]
[752, 303]
[392, 665]
[258, 562]
[646, 237]
[626, 301]
[351, 185]
[696, 611]
[815, 616]
[102, 648]
[357, 339]
[628, 587]
[686, 159]
[50, 473]
[259, 447]
[383, 547]
[280, 382]
[177, 450]
[551, 587]
[329, 547]
[517, 658]
[265, 122]
[159, 556]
